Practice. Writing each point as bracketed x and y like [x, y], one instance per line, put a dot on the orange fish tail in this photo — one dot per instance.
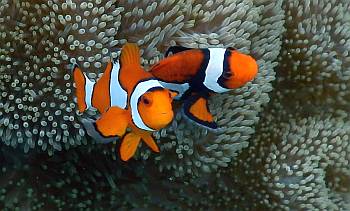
[130, 54]
[80, 83]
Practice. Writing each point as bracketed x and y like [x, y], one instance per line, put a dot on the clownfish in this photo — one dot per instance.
[196, 74]
[126, 96]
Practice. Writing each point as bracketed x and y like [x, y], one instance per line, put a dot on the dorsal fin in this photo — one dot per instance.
[130, 54]
[176, 49]
[232, 48]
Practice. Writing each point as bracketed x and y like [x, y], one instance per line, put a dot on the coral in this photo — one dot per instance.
[288, 153]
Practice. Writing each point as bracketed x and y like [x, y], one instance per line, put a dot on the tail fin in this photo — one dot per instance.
[84, 88]
[130, 54]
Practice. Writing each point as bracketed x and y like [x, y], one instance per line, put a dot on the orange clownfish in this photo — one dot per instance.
[126, 96]
[198, 73]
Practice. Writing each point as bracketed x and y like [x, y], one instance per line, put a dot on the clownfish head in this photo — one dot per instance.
[242, 68]
[155, 108]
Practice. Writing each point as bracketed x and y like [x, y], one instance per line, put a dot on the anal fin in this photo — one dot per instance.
[196, 109]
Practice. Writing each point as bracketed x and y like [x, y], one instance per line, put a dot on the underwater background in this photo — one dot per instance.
[285, 139]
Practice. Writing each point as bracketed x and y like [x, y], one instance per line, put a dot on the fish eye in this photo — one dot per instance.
[145, 101]
[227, 74]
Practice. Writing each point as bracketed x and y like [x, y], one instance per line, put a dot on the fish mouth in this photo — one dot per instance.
[165, 119]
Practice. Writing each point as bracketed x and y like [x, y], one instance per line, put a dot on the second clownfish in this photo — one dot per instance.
[197, 73]
[126, 96]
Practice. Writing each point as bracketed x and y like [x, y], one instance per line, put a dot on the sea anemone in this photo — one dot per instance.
[315, 62]
[288, 153]
[300, 154]
[254, 28]
[38, 41]
[66, 181]
[297, 162]
[152, 25]
[87, 33]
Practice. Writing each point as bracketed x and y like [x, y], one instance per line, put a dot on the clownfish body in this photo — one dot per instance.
[197, 73]
[126, 96]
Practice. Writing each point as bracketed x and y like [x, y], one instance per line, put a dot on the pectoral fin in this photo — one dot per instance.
[129, 146]
[113, 122]
[89, 126]
[148, 139]
[196, 109]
